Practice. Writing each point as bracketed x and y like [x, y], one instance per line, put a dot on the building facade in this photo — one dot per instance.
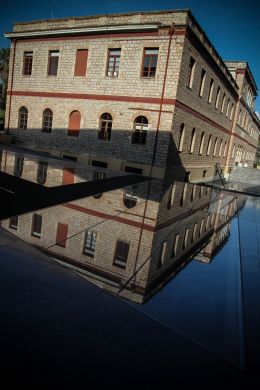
[141, 92]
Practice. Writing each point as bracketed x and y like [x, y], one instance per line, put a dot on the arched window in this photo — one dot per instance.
[201, 142]
[105, 126]
[220, 148]
[215, 146]
[193, 138]
[130, 198]
[209, 145]
[140, 130]
[23, 118]
[74, 124]
[181, 137]
[47, 120]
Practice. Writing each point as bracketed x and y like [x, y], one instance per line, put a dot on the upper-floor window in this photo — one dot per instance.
[53, 62]
[36, 225]
[13, 222]
[150, 62]
[202, 82]
[191, 71]
[225, 150]
[211, 86]
[105, 126]
[231, 111]
[162, 254]
[22, 118]
[121, 253]
[209, 145]
[140, 130]
[228, 105]
[81, 62]
[181, 137]
[193, 138]
[185, 239]
[62, 234]
[201, 142]
[27, 63]
[223, 102]
[47, 116]
[74, 124]
[42, 172]
[90, 243]
[171, 196]
[215, 146]
[239, 117]
[217, 97]
[113, 62]
[220, 148]
[175, 245]
[18, 166]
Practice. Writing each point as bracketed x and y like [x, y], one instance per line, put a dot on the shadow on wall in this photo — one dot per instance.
[125, 145]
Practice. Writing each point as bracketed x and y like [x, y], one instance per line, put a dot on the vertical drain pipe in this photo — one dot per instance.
[11, 87]
[171, 32]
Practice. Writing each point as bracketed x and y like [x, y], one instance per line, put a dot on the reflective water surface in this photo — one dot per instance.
[186, 255]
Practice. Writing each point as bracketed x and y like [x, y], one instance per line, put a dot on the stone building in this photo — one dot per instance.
[142, 92]
[134, 239]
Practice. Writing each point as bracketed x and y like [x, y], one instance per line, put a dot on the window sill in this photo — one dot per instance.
[119, 264]
[88, 254]
[36, 235]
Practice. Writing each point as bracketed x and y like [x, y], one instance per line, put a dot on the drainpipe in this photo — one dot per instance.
[11, 87]
[171, 33]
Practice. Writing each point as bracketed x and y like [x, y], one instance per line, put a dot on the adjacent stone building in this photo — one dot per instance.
[142, 92]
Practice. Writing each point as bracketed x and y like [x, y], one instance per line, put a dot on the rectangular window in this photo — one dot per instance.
[62, 234]
[53, 62]
[13, 222]
[90, 243]
[204, 173]
[121, 253]
[113, 62]
[150, 62]
[223, 102]
[211, 90]
[191, 70]
[185, 239]
[81, 62]
[97, 163]
[138, 171]
[68, 176]
[27, 63]
[228, 104]
[217, 98]
[36, 225]
[175, 245]
[202, 82]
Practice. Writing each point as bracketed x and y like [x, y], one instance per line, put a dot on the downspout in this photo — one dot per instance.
[171, 32]
[11, 87]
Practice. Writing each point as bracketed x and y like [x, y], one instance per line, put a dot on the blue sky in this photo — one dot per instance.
[232, 26]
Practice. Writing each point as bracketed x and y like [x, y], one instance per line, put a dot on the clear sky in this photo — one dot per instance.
[233, 26]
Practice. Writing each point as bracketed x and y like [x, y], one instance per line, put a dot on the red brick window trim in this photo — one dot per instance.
[68, 176]
[74, 124]
[150, 59]
[27, 63]
[62, 234]
[81, 62]
[113, 62]
[53, 62]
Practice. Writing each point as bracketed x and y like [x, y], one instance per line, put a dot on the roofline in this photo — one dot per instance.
[80, 30]
[168, 11]
[247, 68]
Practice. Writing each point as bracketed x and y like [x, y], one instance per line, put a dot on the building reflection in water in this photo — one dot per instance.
[129, 241]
